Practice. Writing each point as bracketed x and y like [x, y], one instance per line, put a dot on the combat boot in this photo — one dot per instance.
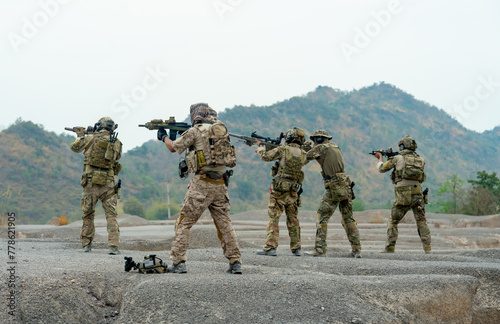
[315, 253]
[87, 248]
[178, 268]
[270, 252]
[113, 250]
[427, 249]
[297, 252]
[234, 268]
[356, 253]
[389, 249]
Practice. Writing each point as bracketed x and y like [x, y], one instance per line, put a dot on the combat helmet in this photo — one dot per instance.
[201, 112]
[320, 133]
[295, 135]
[106, 123]
[407, 143]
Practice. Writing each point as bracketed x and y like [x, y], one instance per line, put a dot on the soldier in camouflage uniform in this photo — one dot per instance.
[101, 151]
[207, 158]
[338, 193]
[407, 174]
[288, 177]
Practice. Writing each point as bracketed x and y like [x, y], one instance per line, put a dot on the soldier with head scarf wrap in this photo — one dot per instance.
[209, 153]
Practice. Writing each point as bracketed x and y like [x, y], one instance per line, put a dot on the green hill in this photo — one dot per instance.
[41, 164]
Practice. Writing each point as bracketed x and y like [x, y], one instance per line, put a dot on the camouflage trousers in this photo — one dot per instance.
[325, 211]
[399, 211]
[205, 193]
[279, 202]
[91, 195]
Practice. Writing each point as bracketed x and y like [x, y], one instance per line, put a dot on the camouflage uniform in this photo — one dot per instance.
[283, 196]
[338, 193]
[408, 196]
[206, 190]
[104, 191]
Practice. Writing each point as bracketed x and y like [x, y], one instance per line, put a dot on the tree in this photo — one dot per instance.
[484, 199]
[450, 195]
[490, 182]
[133, 207]
[480, 201]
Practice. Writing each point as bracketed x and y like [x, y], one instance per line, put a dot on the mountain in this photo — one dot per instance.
[42, 175]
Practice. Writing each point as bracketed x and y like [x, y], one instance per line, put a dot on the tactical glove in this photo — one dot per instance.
[162, 133]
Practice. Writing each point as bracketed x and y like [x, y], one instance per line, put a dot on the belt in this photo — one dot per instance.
[210, 174]
[220, 181]
[328, 178]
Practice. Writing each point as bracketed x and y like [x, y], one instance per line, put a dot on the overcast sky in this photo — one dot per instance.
[68, 63]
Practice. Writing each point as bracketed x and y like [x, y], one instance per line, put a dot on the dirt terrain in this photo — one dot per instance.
[458, 283]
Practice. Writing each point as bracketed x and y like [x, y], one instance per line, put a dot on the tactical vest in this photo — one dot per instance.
[412, 170]
[101, 153]
[290, 166]
[213, 148]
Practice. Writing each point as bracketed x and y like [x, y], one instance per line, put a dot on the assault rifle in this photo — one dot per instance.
[88, 130]
[174, 127]
[389, 152]
[255, 138]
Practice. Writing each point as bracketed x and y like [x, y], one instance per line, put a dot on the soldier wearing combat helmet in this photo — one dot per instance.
[209, 152]
[288, 177]
[407, 174]
[101, 151]
[338, 193]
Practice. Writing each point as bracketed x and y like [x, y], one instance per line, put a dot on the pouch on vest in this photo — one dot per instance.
[99, 177]
[110, 152]
[283, 186]
[338, 189]
[403, 195]
[117, 168]
[83, 182]
[200, 158]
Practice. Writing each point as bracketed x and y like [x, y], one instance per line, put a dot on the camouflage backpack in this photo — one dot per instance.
[216, 151]
[221, 150]
[414, 167]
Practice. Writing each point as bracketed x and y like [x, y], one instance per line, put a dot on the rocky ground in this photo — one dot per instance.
[459, 283]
